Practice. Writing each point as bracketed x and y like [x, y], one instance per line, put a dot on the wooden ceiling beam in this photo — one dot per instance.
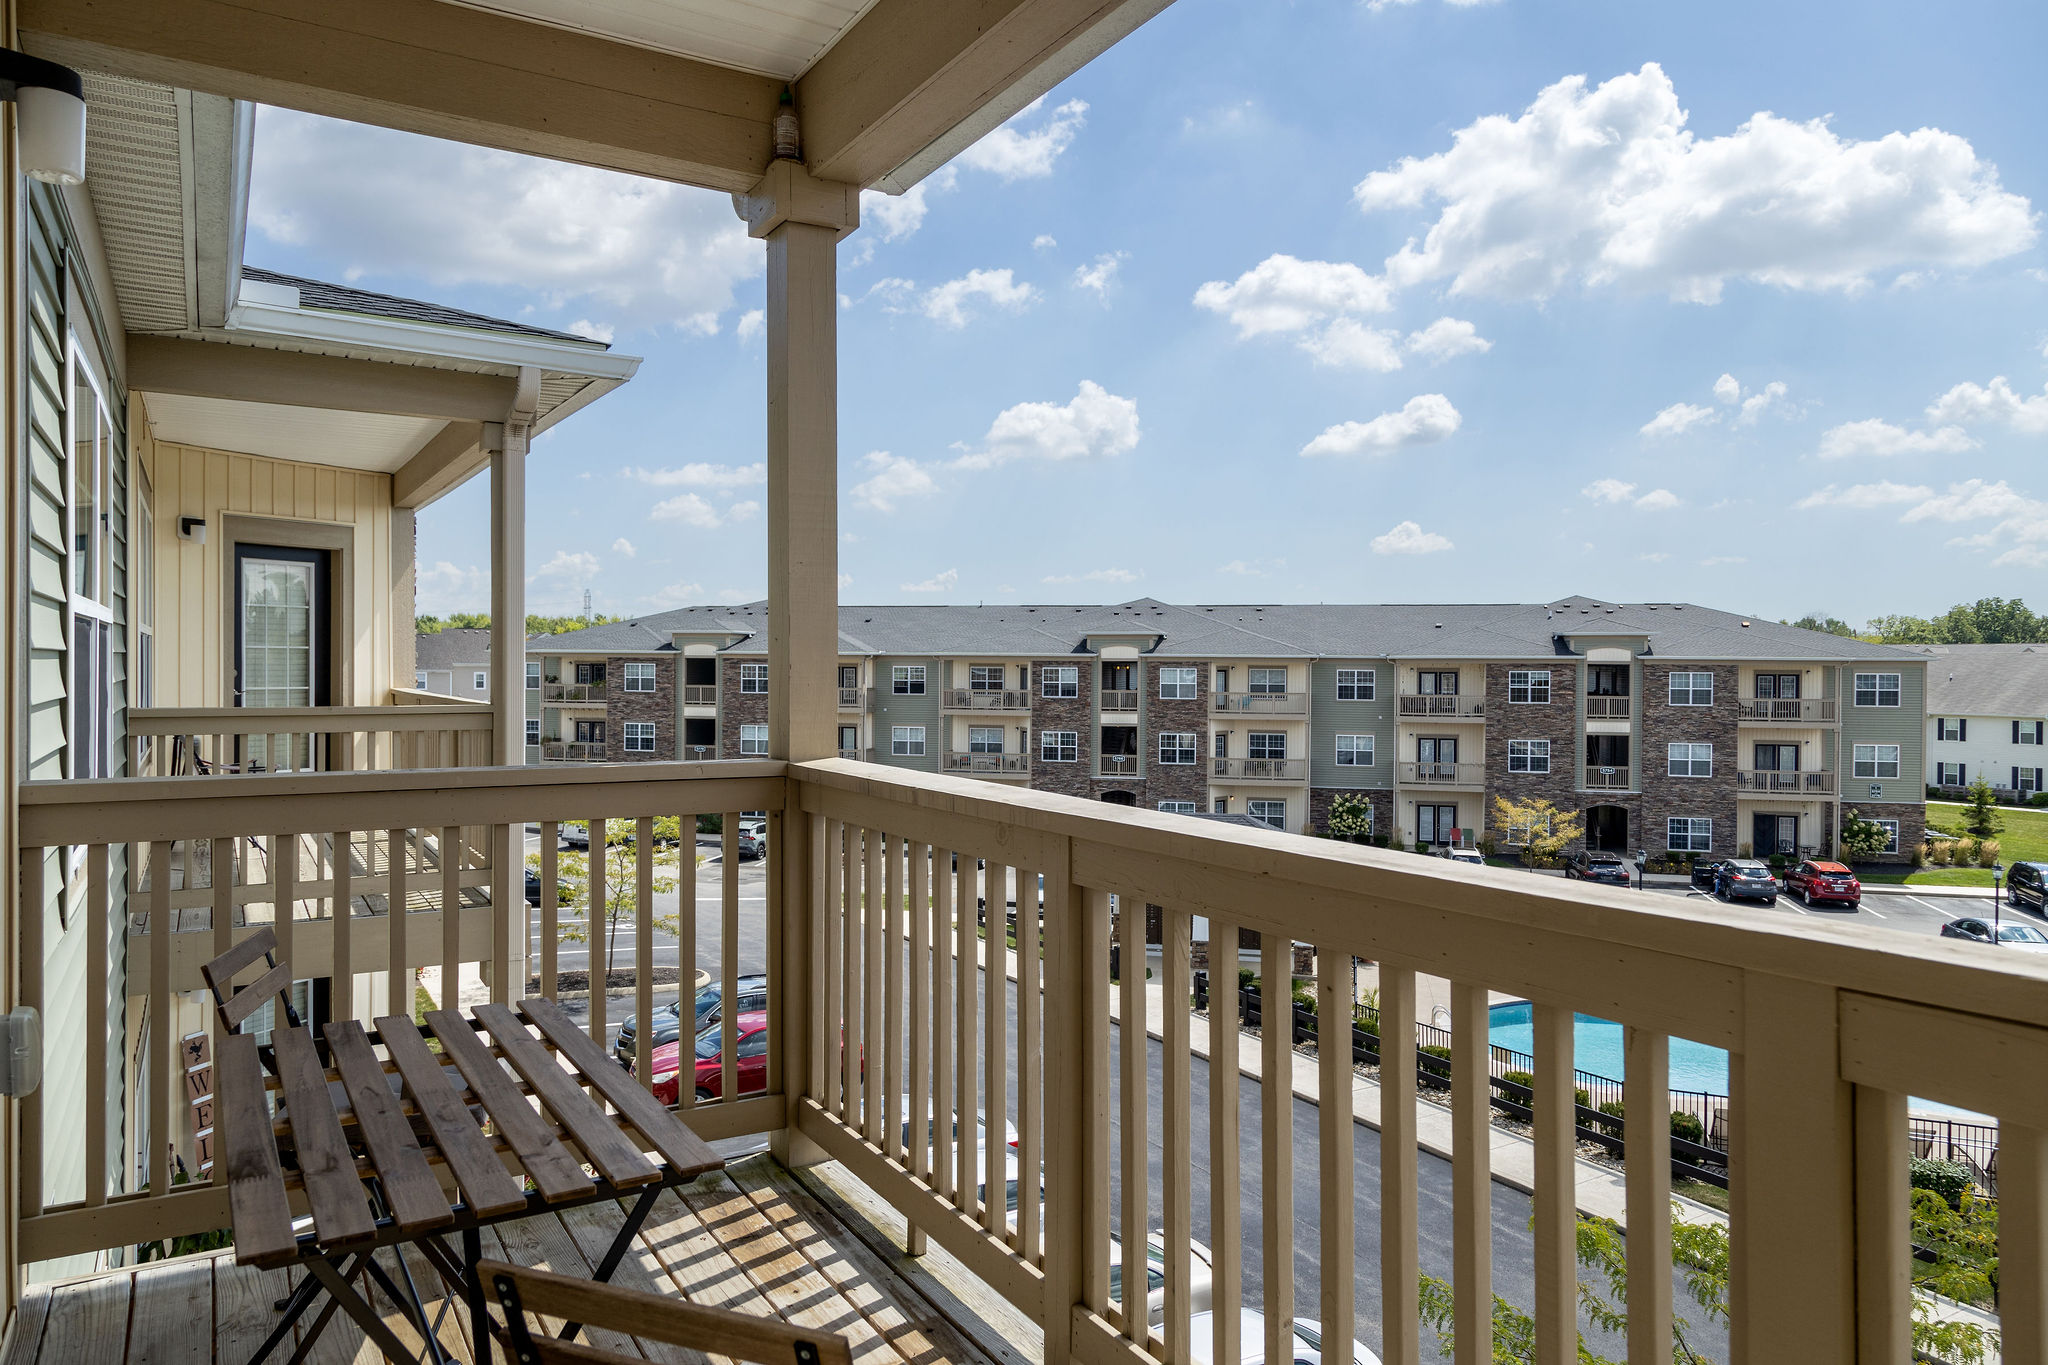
[253, 374]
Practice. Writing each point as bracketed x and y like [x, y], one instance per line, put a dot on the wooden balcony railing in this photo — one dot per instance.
[1117, 765]
[436, 732]
[1614, 777]
[1607, 708]
[1260, 703]
[1258, 769]
[571, 751]
[1440, 705]
[877, 1012]
[1010, 699]
[571, 692]
[955, 762]
[700, 694]
[1769, 782]
[1797, 710]
[851, 755]
[1443, 774]
[1117, 699]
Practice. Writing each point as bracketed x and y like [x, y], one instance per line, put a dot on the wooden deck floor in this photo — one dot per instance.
[753, 1240]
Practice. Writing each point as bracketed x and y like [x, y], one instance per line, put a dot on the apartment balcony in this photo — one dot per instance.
[419, 730]
[1260, 703]
[572, 692]
[854, 699]
[1778, 782]
[1439, 706]
[571, 751]
[1117, 699]
[1118, 765]
[1607, 708]
[700, 694]
[1443, 774]
[850, 755]
[987, 765]
[1786, 710]
[1258, 769]
[1608, 778]
[1011, 700]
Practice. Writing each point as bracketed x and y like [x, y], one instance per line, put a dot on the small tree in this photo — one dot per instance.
[621, 891]
[1863, 838]
[1980, 810]
[1541, 828]
[1350, 817]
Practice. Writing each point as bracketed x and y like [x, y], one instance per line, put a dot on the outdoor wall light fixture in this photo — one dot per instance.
[49, 101]
[193, 529]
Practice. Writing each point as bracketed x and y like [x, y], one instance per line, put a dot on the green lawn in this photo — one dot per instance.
[2024, 839]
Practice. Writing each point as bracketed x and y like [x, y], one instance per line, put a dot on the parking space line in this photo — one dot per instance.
[1880, 914]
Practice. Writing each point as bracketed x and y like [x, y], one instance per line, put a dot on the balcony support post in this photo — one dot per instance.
[507, 443]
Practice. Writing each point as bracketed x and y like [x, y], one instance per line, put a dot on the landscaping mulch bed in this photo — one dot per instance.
[619, 978]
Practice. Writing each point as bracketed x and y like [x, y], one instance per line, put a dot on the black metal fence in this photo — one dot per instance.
[1974, 1145]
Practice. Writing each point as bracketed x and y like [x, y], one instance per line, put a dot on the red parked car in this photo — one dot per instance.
[752, 1060]
[1820, 881]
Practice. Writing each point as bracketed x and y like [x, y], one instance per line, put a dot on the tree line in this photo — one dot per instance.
[535, 625]
[1986, 621]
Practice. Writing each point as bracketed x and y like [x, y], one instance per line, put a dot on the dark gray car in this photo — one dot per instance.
[668, 1017]
[1745, 879]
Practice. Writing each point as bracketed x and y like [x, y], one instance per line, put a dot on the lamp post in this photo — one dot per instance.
[1642, 866]
[1997, 875]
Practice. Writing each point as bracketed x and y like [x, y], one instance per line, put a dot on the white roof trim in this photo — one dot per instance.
[269, 317]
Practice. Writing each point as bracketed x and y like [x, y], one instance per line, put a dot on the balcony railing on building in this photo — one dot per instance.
[1797, 710]
[1607, 708]
[1609, 777]
[1118, 699]
[700, 694]
[1440, 705]
[853, 699]
[850, 755]
[571, 751]
[571, 691]
[1116, 765]
[1782, 782]
[1001, 699]
[1258, 769]
[419, 730]
[1016, 765]
[1260, 703]
[1443, 774]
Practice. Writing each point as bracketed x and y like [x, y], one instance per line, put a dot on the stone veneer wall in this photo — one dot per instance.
[621, 706]
[1663, 725]
[1556, 720]
[1174, 781]
[736, 708]
[1912, 818]
[1319, 799]
[1076, 713]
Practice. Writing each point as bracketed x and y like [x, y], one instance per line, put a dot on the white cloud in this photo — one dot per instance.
[1996, 402]
[1094, 424]
[1608, 490]
[699, 474]
[1607, 186]
[1408, 538]
[894, 216]
[623, 546]
[752, 326]
[1873, 436]
[1044, 241]
[399, 208]
[565, 565]
[1100, 274]
[845, 581]
[1284, 294]
[894, 479]
[1711, 560]
[692, 510]
[1677, 419]
[1015, 154]
[2019, 522]
[676, 595]
[1094, 576]
[1727, 388]
[1864, 496]
[938, 582]
[1425, 418]
[948, 304]
[1657, 500]
[443, 587]
[1658, 557]
[1758, 403]
[1349, 344]
[1447, 339]
[594, 331]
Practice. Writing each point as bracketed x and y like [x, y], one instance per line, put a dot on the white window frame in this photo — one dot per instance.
[533, 729]
[88, 755]
[906, 680]
[1061, 680]
[1690, 687]
[906, 741]
[1266, 739]
[979, 739]
[1178, 748]
[1355, 751]
[1268, 811]
[2027, 733]
[1059, 746]
[639, 738]
[1942, 771]
[753, 741]
[419, 680]
[1683, 760]
[754, 679]
[1178, 684]
[987, 678]
[533, 674]
[1528, 682]
[1697, 835]
[1949, 729]
[1876, 686]
[1178, 807]
[642, 671]
[1259, 682]
[479, 680]
[1890, 827]
[2027, 785]
[1876, 763]
[1357, 684]
[1525, 755]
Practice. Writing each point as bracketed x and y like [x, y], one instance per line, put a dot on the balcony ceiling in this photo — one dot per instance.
[374, 441]
[779, 38]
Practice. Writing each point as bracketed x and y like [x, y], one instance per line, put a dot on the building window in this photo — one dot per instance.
[985, 678]
[590, 675]
[1356, 684]
[907, 680]
[1354, 751]
[1060, 682]
[1220, 806]
[1949, 729]
[753, 741]
[1528, 755]
[1692, 689]
[1059, 746]
[533, 731]
[1177, 747]
[590, 732]
[1518, 835]
[533, 675]
[1177, 807]
[1689, 760]
[1176, 684]
[907, 741]
[640, 737]
[753, 678]
[479, 681]
[1948, 774]
[984, 739]
[1891, 835]
[1271, 681]
[1689, 834]
[640, 677]
[2026, 732]
[1877, 760]
[419, 682]
[2026, 781]
[1272, 813]
[1529, 685]
[1266, 744]
[1877, 689]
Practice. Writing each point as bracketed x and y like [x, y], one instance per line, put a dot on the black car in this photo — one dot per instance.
[1588, 866]
[2026, 884]
[1745, 879]
[1706, 874]
[2009, 934]
[533, 888]
[668, 1018]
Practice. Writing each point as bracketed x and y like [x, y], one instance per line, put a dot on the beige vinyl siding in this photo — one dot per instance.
[193, 580]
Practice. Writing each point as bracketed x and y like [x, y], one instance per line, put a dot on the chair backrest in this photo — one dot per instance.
[714, 1331]
[235, 1006]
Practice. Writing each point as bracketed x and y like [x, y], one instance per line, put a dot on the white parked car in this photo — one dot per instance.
[1201, 1279]
[1308, 1341]
[1465, 855]
[980, 1127]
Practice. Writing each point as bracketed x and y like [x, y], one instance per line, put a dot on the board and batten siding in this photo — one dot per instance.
[892, 710]
[1904, 725]
[194, 580]
[1330, 718]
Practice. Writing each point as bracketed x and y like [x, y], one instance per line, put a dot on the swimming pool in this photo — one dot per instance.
[1597, 1047]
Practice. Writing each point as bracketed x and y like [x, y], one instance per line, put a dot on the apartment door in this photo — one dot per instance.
[1775, 834]
[281, 643]
[1777, 758]
[1118, 678]
[1436, 757]
[1441, 684]
[849, 741]
[1777, 685]
[1435, 824]
[1607, 829]
[590, 732]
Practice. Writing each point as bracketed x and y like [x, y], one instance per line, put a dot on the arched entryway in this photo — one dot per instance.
[1607, 829]
[1119, 797]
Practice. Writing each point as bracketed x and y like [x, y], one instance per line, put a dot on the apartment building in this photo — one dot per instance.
[454, 662]
[1987, 716]
[1668, 725]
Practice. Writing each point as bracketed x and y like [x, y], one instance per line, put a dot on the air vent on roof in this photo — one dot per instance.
[1745, 625]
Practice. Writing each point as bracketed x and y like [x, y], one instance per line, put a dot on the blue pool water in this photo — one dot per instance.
[1597, 1047]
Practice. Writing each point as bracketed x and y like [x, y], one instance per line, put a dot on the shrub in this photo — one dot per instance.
[1934, 793]
[2038, 799]
[1305, 998]
[1684, 1125]
[1920, 855]
[1987, 853]
[1522, 1078]
[1613, 1109]
[1744, 851]
[1968, 851]
[1488, 848]
[1247, 979]
[1941, 852]
[1582, 1099]
[1949, 1179]
[1980, 810]
[1421, 846]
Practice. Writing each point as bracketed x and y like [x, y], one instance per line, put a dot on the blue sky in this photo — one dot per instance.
[1744, 305]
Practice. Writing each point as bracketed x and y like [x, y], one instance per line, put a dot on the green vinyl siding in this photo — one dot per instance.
[892, 710]
[1329, 717]
[1904, 725]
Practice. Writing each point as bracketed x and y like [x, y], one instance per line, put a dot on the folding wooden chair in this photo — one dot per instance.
[234, 1007]
[714, 1331]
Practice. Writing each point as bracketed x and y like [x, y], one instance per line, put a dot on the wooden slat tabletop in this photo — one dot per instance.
[556, 1174]
[341, 1212]
[414, 1196]
[256, 1202]
[616, 1156]
[490, 1189]
[689, 1154]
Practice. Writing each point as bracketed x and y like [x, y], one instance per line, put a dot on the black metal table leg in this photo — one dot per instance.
[617, 1252]
[353, 1304]
[473, 1290]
